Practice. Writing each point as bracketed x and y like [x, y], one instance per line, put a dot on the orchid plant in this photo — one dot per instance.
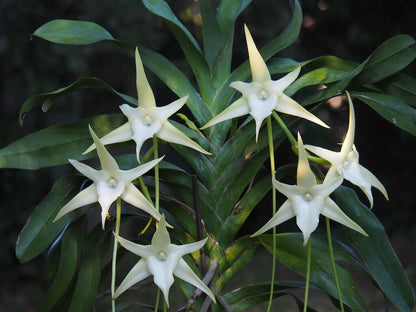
[190, 205]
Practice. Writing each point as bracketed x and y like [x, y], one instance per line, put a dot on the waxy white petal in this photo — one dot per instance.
[118, 135]
[184, 272]
[162, 113]
[305, 176]
[284, 213]
[161, 238]
[108, 192]
[333, 212]
[259, 70]
[236, 109]
[261, 108]
[278, 86]
[108, 163]
[134, 197]
[90, 173]
[146, 98]
[307, 214]
[137, 273]
[172, 134]
[85, 197]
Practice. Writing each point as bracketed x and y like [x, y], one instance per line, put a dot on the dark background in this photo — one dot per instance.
[350, 29]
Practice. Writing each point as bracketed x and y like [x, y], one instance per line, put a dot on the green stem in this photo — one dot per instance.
[156, 155]
[157, 300]
[308, 275]
[272, 169]
[334, 269]
[113, 267]
[285, 129]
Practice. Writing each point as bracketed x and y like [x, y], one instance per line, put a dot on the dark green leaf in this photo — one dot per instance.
[402, 87]
[292, 254]
[54, 145]
[376, 252]
[393, 110]
[72, 32]
[389, 58]
[39, 231]
[188, 44]
[67, 267]
[82, 83]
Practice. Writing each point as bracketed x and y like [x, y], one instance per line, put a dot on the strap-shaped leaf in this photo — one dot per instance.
[89, 274]
[393, 110]
[389, 58]
[47, 99]
[68, 264]
[402, 87]
[244, 298]
[292, 254]
[188, 44]
[39, 231]
[72, 32]
[54, 145]
[376, 252]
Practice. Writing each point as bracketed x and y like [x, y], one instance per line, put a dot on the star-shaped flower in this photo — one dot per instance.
[162, 260]
[307, 200]
[346, 162]
[263, 95]
[147, 119]
[110, 183]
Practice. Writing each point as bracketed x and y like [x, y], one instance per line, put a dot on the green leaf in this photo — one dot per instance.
[402, 87]
[54, 145]
[376, 252]
[72, 32]
[39, 231]
[188, 44]
[393, 110]
[292, 254]
[228, 11]
[89, 274]
[390, 57]
[247, 297]
[68, 263]
[82, 83]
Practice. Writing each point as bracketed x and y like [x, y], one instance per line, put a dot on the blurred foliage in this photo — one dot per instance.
[345, 28]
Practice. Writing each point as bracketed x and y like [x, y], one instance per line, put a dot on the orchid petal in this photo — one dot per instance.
[284, 213]
[260, 109]
[137, 249]
[246, 88]
[287, 105]
[335, 158]
[137, 273]
[259, 70]
[305, 176]
[374, 181]
[108, 192]
[120, 134]
[348, 143]
[278, 86]
[164, 112]
[134, 197]
[184, 272]
[108, 163]
[90, 173]
[161, 238]
[171, 134]
[188, 248]
[132, 174]
[288, 190]
[333, 212]
[162, 271]
[83, 198]
[236, 109]
[146, 98]
[307, 214]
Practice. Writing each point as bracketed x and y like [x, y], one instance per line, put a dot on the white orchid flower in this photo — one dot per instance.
[147, 120]
[346, 162]
[110, 183]
[263, 95]
[162, 260]
[307, 200]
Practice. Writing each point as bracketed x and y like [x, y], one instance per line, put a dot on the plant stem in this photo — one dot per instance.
[157, 300]
[285, 129]
[334, 269]
[308, 275]
[272, 169]
[113, 267]
[156, 155]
